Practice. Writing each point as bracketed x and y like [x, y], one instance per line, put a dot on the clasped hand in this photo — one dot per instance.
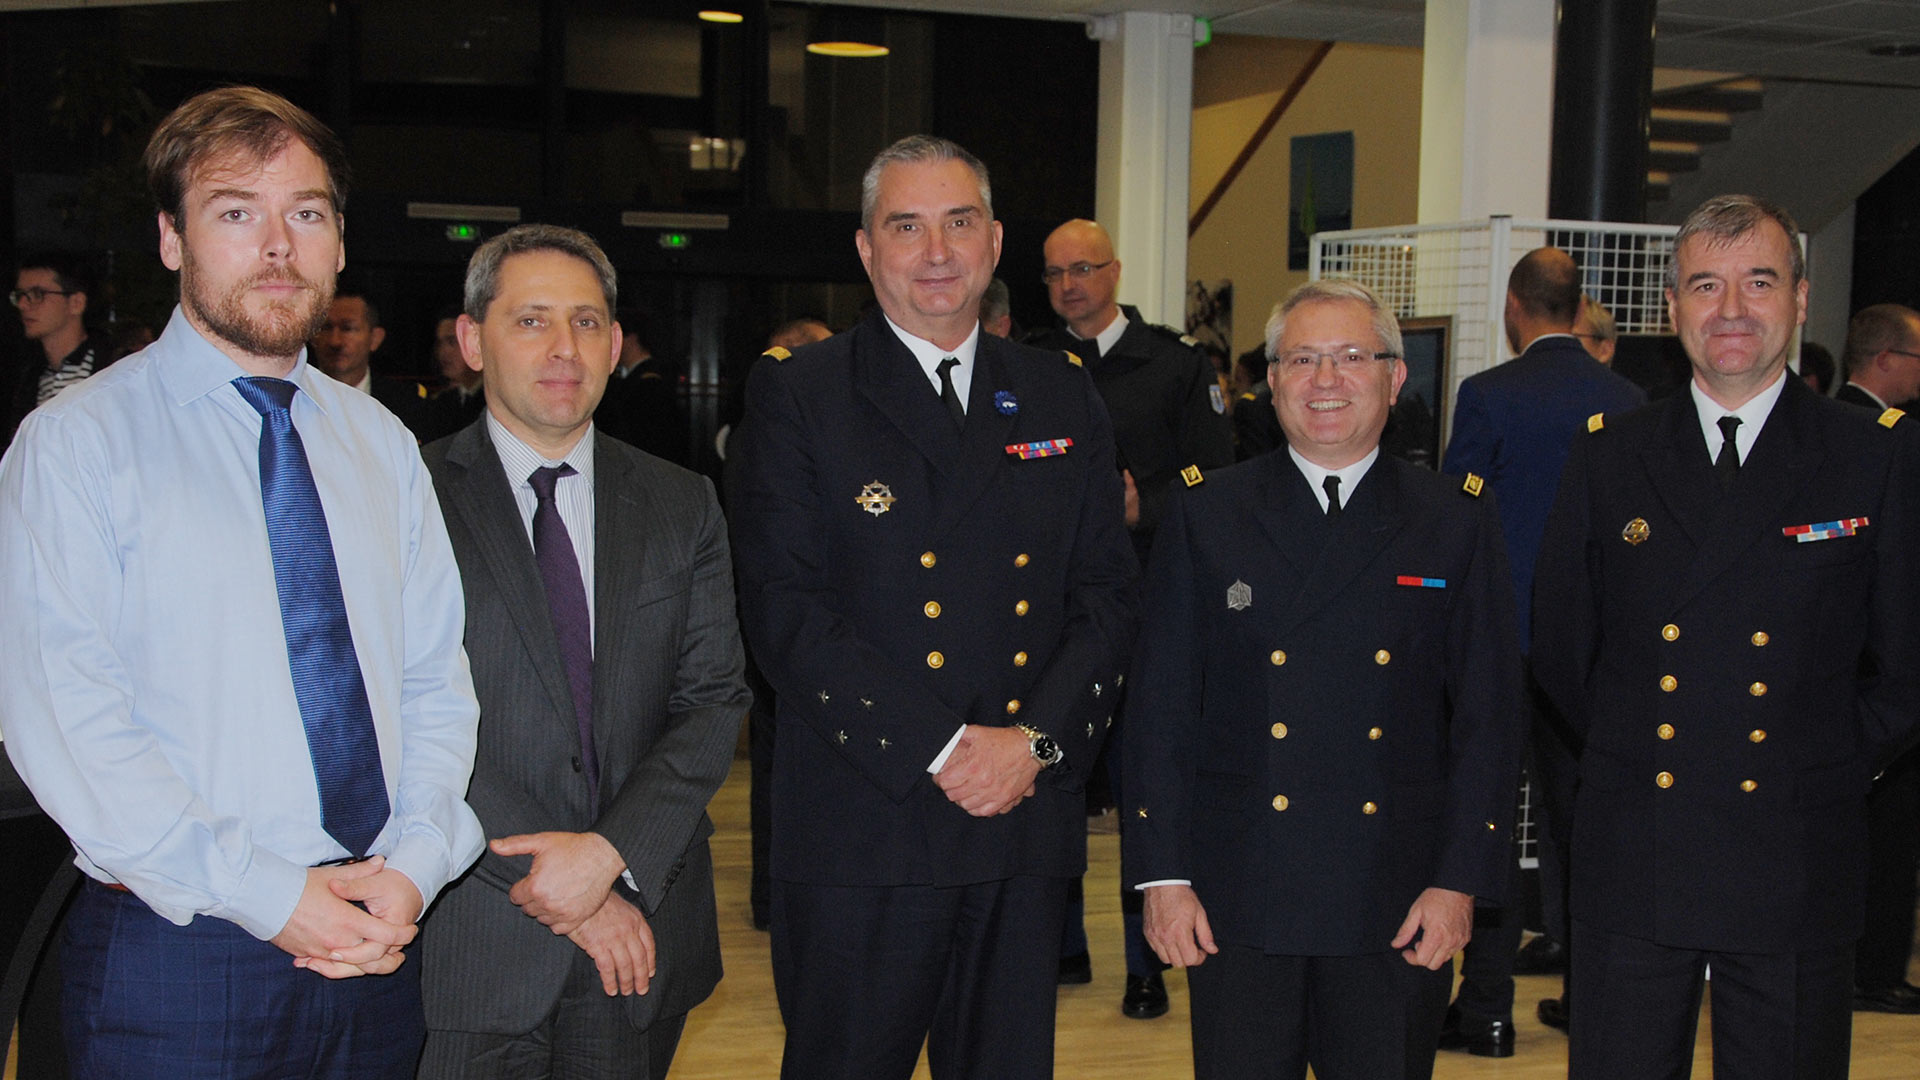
[990, 771]
[352, 920]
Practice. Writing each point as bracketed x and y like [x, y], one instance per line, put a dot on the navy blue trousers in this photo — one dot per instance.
[208, 1001]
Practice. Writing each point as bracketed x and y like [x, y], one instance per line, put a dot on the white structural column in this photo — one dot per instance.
[1486, 109]
[1141, 165]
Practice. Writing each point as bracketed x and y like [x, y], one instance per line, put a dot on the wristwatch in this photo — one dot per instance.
[1041, 745]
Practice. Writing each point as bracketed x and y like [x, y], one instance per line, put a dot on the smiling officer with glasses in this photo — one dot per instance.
[1329, 666]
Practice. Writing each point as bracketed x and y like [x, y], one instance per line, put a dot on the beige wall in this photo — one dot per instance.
[1370, 90]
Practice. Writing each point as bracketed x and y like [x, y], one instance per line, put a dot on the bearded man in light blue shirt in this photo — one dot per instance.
[236, 623]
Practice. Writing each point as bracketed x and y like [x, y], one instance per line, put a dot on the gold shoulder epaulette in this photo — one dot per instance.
[1191, 474]
[778, 352]
[1074, 360]
[1596, 422]
[1891, 417]
[1473, 485]
[1248, 395]
[1189, 341]
[421, 389]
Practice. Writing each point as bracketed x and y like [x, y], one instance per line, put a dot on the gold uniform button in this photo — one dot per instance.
[1019, 659]
[1665, 779]
[1760, 638]
[1757, 735]
[927, 560]
[1013, 706]
[1669, 683]
[1665, 731]
[1748, 785]
[932, 609]
[1279, 731]
[1369, 808]
[1374, 733]
[1382, 657]
[934, 659]
[1758, 689]
[1278, 657]
[1669, 631]
[1020, 608]
[1279, 802]
[1021, 559]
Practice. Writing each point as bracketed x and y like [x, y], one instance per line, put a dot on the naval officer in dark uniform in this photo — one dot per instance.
[1325, 724]
[1725, 610]
[936, 580]
[1168, 417]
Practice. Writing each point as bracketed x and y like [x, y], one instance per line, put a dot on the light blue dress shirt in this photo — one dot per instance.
[148, 701]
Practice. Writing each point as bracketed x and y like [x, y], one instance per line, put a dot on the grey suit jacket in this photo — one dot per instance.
[668, 697]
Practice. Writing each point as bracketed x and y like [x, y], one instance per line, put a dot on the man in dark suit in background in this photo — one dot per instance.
[1725, 612]
[1514, 425]
[344, 348]
[1882, 357]
[601, 632]
[642, 403]
[936, 579]
[464, 398]
[1325, 727]
[1883, 366]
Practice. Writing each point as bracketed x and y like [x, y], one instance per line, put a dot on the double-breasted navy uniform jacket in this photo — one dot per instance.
[900, 576]
[1738, 662]
[1326, 713]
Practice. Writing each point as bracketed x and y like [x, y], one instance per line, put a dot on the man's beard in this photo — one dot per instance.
[279, 331]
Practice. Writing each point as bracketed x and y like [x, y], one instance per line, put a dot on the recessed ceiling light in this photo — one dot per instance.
[722, 16]
[846, 48]
[1898, 48]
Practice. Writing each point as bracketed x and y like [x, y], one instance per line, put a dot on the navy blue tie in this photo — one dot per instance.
[326, 672]
[567, 605]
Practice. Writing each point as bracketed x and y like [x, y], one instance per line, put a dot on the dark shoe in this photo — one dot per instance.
[1555, 1014]
[1541, 956]
[1146, 997]
[1487, 1038]
[1902, 998]
[1076, 970]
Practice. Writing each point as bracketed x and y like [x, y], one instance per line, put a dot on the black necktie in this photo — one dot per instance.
[567, 606]
[1728, 461]
[948, 394]
[1332, 486]
[327, 684]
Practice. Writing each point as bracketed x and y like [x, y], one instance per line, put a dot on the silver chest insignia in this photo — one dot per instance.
[1239, 596]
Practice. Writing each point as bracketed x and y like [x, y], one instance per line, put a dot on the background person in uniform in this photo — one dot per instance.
[1325, 724]
[996, 310]
[607, 661]
[1725, 612]
[1882, 357]
[642, 403]
[51, 292]
[238, 620]
[344, 347]
[1817, 368]
[1168, 415]
[464, 397]
[936, 579]
[1514, 425]
[1883, 366]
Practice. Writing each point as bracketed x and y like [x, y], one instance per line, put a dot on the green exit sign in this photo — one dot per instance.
[463, 233]
[675, 241]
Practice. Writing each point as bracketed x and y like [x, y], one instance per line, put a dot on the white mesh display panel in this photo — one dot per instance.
[1460, 270]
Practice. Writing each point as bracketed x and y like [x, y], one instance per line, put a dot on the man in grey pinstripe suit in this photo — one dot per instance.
[601, 632]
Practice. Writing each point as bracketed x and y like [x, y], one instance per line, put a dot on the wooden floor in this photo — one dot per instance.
[736, 1035]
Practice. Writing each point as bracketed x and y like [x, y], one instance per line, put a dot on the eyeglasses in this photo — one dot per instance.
[34, 295]
[1903, 352]
[1302, 361]
[1078, 271]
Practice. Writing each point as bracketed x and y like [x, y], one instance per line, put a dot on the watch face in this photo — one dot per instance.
[1046, 751]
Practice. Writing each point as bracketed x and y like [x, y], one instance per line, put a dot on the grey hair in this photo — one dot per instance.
[1726, 218]
[996, 301]
[1385, 326]
[919, 150]
[483, 270]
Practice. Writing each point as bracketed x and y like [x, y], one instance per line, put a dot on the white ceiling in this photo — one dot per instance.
[1808, 39]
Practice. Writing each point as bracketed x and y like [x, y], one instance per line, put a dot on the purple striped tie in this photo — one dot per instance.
[567, 604]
